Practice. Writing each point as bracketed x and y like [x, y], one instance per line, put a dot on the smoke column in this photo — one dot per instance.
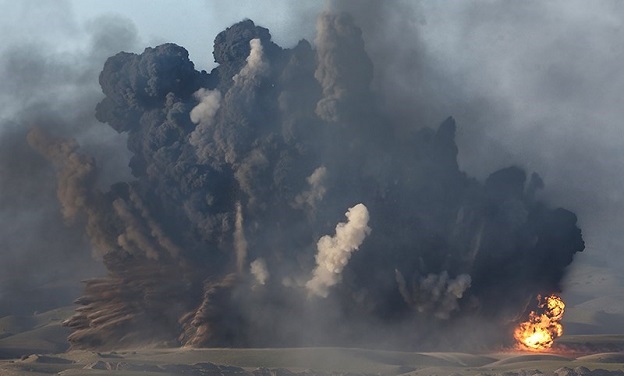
[257, 160]
[240, 243]
[335, 251]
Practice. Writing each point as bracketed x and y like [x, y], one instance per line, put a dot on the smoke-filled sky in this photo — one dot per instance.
[533, 84]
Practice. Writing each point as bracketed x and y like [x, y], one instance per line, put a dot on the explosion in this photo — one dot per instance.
[543, 326]
[230, 231]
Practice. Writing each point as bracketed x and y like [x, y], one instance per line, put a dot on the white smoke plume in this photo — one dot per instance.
[259, 270]
[256, 65]
[240, 243]
[209, 103]
[316, 192]
[203, 114]
[435, 294]
[334, 252]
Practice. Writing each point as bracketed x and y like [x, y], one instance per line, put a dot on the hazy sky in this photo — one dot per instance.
[533, 83]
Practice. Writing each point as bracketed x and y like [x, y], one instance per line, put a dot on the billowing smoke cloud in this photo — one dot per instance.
[221, 166]
[335, 251]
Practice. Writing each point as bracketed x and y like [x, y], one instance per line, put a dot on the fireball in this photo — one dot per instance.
[543, 326]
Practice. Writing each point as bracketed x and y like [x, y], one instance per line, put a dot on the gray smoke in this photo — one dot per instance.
[51, 86]
[257, 160]
[221, 181]
[434, 294]
[75, 172]
[310, 197]
[342, 63]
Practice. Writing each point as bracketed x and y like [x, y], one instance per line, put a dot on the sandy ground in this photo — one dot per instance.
[35, 345]
[310, 361]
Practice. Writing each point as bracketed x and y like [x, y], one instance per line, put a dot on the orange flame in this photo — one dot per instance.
[543, 326]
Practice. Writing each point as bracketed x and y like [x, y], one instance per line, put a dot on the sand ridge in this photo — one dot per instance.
[310, 362]
[36, 345]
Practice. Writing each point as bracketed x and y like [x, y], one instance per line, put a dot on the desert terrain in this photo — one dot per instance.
[36, 345]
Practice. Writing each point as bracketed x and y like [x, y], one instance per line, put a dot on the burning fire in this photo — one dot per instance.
[543, 326]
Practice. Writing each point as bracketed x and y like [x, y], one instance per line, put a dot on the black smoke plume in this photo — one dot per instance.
[233, 230]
